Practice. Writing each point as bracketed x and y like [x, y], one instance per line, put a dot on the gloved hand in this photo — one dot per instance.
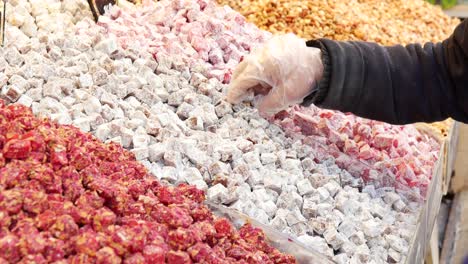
[283, 72]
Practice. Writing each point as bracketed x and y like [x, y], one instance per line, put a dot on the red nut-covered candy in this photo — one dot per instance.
[11, 201]
[86, 242]
[176, 217]
[24, 225]
[79, 158]
[45, 220]
[34, 201]
[201, 213]
[167, 196]
[64, 227]
[236, 252]
[10, 248]
[72, 189]
[154, 254]
[178, 257]
[5, 219]
[121, 239]
[54, 250]
[103, 218]
[181, 238]
[90, 199]
[58, 156]
[13, 174]
[50, 181]
[223, 228]
[199, 252]
[17, 149]
[107, 255]
[191, 192]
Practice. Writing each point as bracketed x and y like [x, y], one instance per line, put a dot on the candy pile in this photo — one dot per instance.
[66, 196]
[166, 106]
[401, 152]
[193, 33]
[386, 22]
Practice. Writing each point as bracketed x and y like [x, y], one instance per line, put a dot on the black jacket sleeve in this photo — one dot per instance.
[396, 84]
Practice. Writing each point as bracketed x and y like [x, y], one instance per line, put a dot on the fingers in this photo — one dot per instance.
[239, 90]
[246, 78]
[273, 102]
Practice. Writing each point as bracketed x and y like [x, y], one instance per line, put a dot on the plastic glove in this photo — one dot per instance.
[283, 71]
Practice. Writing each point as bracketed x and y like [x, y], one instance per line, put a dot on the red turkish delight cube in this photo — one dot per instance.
[154, 254]
[103, 218]
[201, 213]
[252, 235]
[11, 201]
[5, 219]
[34, 201]
[120, 239]
[178, 257]
[90, 199]
[199, 252]
[36, 139]
[236, 252]
[10, 248]
[136, 188]
[258, 257]
[157, 230]
[90, 173]
[35, 156]
[14, 174]
[32, 243]
[191, 192]
[177, 217]
[383, 141]
[58, 156]
[72, 189]
[365, 152]
[107, 255]
[181, 239]
[79, 158]
[54, 250]
[24, 225]
[45, 220]
[64, 228]
[350, 147]
[86, 242]
[17, 149]
[223, 228]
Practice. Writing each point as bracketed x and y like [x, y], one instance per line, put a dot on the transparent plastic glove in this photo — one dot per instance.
[283, 72]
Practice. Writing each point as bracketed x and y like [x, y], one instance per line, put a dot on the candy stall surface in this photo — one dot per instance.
[152, 79]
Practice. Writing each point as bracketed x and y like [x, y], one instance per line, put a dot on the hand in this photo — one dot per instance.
[283, 72]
